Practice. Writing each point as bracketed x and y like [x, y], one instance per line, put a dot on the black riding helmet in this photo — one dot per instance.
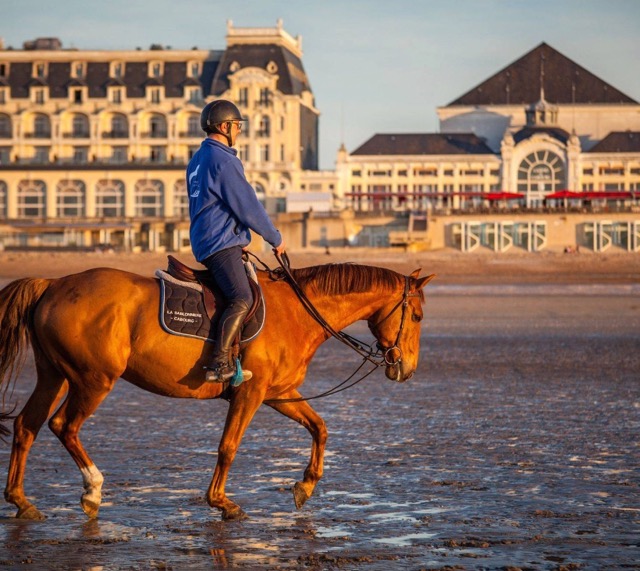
[217, 112]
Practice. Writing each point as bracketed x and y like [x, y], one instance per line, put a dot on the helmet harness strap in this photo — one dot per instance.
[226, 135]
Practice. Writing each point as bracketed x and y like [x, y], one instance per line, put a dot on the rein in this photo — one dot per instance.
[375, 357]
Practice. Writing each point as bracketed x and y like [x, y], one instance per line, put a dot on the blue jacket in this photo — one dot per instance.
[223, 206]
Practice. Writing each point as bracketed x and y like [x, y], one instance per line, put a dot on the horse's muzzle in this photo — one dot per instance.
[395, 372]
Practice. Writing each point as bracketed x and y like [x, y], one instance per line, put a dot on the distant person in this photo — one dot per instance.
[223, 207]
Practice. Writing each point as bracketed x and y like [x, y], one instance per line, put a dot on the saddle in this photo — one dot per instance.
[190, 298]
[183, 273]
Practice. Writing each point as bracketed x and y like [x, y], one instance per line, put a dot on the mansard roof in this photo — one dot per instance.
[543, 68]
[618, 142]
[292, 79]
[424, 144]
[97, 79]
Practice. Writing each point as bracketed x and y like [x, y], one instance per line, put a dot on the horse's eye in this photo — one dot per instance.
[416, 318]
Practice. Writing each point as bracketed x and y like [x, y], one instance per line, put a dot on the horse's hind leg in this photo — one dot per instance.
[49, 389]
[80, 403]
[303, 413]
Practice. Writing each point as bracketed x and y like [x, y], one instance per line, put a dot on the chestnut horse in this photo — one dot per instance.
[89, 329]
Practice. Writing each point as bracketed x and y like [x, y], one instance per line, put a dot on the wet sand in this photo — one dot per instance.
[515, 446]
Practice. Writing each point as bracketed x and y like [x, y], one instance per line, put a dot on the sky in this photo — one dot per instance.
[375, 66]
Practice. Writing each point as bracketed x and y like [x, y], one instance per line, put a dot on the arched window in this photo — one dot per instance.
[32, 199]
[193, 126]
[148, 198]
[119, 126]
[3, 200]
[41, 126]
[180, 199]
[110, 199]
[540, 173]
[70, 198]
[80, 125]
[157, 126]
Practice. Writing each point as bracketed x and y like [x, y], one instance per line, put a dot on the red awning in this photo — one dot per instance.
[503, 195]
[591, 195]
[561, 194]
[620, 194]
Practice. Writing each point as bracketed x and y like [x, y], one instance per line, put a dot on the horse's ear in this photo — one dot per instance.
[421, 282]
[416, 273]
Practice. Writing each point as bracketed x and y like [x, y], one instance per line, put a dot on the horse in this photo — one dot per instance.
[89, 329]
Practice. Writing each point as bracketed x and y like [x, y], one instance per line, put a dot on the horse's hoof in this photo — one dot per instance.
[90, 508]
[31, 513]
[234, 513]
[300, 495]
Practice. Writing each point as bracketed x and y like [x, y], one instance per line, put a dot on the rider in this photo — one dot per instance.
[223, 207]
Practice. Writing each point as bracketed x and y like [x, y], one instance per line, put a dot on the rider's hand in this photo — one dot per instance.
[279, 250]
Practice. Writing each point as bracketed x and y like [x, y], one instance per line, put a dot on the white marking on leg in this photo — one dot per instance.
[92, 480]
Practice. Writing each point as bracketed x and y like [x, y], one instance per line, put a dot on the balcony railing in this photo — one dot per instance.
[154, 135]
[38, 135]
[76, 135]
[115, 134]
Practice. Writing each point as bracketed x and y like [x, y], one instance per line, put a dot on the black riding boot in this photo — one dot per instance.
[221, 370]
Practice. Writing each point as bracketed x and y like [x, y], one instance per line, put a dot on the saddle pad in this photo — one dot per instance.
[182, 311]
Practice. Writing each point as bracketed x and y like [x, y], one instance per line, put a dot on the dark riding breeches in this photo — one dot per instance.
[227, 269]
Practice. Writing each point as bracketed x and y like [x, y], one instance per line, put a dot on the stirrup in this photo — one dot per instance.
[219, 373]
[223, 373]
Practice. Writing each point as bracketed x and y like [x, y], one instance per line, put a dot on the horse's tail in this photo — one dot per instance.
[17, 303]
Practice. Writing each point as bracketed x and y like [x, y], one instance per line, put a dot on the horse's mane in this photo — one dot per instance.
[338, 279]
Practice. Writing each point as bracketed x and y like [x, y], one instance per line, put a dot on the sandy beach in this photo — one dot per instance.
[451, 266]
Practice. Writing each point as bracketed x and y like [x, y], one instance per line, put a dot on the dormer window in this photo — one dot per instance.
[78, 70]
[115, 94]
[193, 94]
[193, 69]
[154, 94]
[39, 95]
[116, 70]
[40, 70]
[156, 69]
[76, 94]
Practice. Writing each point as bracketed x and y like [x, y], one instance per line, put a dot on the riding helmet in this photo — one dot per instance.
[217, 112]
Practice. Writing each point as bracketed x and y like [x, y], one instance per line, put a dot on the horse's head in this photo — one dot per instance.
[396, 326]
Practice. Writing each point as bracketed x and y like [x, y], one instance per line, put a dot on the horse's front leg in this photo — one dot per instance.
[244, 403]
[303, 413]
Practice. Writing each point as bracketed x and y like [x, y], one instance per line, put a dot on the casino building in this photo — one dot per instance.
[94, 145]
[540, 132]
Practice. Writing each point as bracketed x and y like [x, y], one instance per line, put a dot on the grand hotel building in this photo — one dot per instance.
[94, 144]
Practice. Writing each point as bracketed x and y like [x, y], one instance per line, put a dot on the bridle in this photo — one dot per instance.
[404, 302]
[381, 356]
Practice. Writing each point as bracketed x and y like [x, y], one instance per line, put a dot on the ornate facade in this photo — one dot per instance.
[94, 144]
[543, 129]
